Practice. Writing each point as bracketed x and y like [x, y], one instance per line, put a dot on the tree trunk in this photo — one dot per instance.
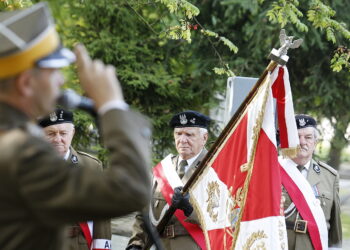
[337, 144]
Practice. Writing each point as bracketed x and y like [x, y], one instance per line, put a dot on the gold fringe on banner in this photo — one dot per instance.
[290, 152]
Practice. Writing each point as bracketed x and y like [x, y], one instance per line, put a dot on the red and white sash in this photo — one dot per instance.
[167, 179]
[94, 244]
[306, 203]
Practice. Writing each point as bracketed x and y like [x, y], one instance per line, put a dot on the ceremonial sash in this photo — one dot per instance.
[94, 244]
[167, 179]
[87, 232]
[306, 203]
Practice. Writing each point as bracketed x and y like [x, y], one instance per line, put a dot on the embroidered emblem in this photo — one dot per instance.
[193, 120]
[74, 159]
[281, 233]
[256, 241]
[234, 207]
[183, 119]
[317, 169]
[213, 200]
[53, 117]
[302, 122]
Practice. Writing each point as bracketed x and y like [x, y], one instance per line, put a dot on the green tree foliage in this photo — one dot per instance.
[160, 75]
[8, 5]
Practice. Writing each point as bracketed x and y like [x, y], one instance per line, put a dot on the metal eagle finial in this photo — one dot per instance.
[280, 55]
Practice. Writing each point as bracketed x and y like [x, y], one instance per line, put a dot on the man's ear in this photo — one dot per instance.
[205, 137]
[23, 83]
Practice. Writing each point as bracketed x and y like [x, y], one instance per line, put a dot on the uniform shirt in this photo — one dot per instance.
[189, 161]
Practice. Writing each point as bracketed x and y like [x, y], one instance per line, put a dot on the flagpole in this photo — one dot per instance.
[277, 57]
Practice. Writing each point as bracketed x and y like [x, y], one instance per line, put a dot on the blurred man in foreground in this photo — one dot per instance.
[40, 192]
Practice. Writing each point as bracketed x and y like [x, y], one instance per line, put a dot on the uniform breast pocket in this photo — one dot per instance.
[326, 199]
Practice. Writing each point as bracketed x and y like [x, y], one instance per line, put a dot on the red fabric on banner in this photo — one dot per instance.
[218, 235]
[304, 210]
[194, 230]
[234, 154]
[227, 166]
[264, 194]
[86, 231]
[279, 92]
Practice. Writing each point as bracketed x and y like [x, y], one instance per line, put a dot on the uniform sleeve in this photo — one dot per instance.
[57, 193]
[139, 236]
[335, 230]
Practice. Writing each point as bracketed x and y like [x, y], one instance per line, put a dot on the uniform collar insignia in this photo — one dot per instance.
[74, 159]
[317, 169]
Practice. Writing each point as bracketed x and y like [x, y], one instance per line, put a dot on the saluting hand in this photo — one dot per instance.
[97, 79]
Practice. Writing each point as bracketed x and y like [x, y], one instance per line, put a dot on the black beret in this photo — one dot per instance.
[304, 121]
[189, 118]
[57, 117]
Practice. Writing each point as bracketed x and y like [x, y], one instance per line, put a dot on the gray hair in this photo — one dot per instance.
[203, 131]
[316, 134]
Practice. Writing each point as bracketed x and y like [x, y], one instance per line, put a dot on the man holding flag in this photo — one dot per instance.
[314, 182]
[182, 231]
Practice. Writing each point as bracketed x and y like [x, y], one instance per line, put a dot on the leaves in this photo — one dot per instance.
[283, 12]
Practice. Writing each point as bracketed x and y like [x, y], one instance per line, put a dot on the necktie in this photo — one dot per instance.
[301, 168]
[181, 169]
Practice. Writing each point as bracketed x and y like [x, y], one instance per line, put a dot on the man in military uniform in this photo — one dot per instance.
[324, 181]
[40, 193]
[190, 134]
[59, 130]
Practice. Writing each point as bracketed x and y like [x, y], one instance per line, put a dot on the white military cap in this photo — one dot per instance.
[27, 39]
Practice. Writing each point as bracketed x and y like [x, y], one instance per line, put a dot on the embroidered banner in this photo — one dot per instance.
[238, 195]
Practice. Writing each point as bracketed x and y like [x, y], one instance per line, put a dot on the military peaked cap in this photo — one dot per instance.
[304, 121]
[189, 118]
[27, 39]
[57, 117]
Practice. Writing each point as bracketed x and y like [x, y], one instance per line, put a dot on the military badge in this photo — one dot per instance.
[317, 169]
[302, 122]
[183, 119]
[61, 115]
[193, 121]
[53, 117]
[315, 189]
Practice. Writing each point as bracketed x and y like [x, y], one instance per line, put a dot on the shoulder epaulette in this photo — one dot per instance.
[326, 166]
[90, 156]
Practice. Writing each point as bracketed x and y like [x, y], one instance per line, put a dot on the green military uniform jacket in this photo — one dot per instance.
[40, 193]
[139, 235]
[101, 228]
[324, 180]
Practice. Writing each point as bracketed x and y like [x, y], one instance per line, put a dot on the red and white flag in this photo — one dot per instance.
[238, 195]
